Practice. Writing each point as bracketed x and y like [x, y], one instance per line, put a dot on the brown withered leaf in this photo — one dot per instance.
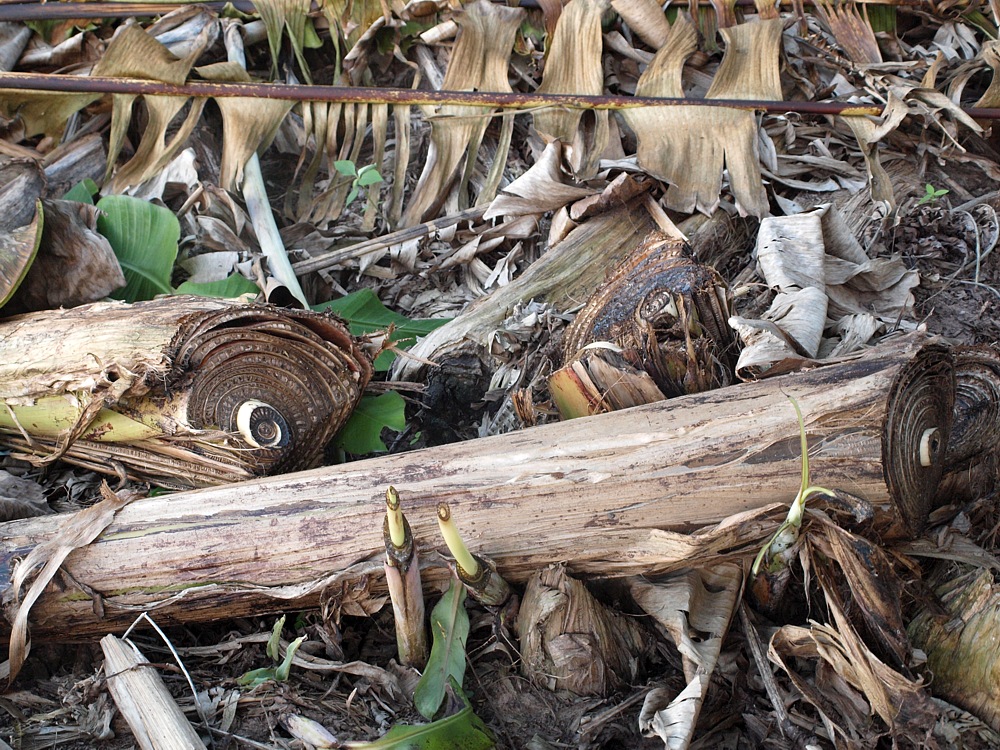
[688, 146]
[831, 297]
[573, 66]
[75, 264]
[478, 63]
[646, 19]
[18, 249]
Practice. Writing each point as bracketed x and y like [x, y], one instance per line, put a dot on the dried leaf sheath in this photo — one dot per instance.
[201, 391]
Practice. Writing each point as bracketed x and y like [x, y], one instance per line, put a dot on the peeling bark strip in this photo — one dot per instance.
[183, 391]
[594, 492]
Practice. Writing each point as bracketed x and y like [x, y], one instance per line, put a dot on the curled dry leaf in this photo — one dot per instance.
[695, 607]
[824, 282]
[18, 249]
[570, 641]
[990, 54]
[538, 190]
[74, 265]
[646, 19]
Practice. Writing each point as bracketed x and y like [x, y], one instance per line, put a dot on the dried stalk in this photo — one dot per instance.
[303, 92]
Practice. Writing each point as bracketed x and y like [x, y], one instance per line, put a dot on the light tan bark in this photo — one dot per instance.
[156, 721]
[595, 492]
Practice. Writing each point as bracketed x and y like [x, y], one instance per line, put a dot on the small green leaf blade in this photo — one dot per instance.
[234, 285]
[362, 433]
[256, 677]
[274, 641]
[365, 314]
[284, 669]
[82, 192]
[450, 629]
[345, 167]
[368, 176]
[144, 237]
[462, 729]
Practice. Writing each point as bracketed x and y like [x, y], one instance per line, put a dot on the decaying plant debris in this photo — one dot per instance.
[830, 244]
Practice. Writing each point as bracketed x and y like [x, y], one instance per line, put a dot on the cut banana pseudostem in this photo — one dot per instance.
[181, 392]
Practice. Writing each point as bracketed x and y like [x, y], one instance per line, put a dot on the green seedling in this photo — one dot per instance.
[788, 533]
[362, 178]
[931, 195]
[282, 667]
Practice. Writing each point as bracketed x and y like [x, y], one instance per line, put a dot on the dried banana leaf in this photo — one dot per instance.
[479, 62]
[853, 32]
[990, 54]
[540, 189]
[695, 607]
[573, 66]
[688, 146]
[831, 297]
[135, 54]
[247, 123]
[646, 19]
[180, 391]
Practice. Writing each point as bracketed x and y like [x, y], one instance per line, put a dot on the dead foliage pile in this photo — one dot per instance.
[486, 164]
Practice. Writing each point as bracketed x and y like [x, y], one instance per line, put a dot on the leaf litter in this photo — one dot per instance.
[844, 677]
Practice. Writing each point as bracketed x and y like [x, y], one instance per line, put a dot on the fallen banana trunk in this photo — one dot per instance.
[182, 391]
[615, 494]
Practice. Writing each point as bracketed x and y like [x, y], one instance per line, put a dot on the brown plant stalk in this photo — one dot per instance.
[356, 94]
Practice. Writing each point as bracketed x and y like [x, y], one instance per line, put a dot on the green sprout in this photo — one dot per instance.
[364, 177]
[280, 670]
[788, 532]
[931, 194]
